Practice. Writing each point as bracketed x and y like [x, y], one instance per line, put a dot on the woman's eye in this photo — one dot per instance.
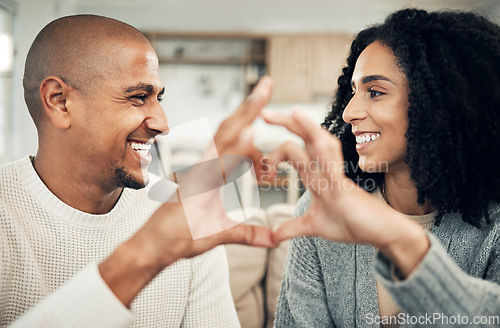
[375, 93]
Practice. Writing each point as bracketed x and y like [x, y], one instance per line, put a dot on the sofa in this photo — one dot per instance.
[255, 274]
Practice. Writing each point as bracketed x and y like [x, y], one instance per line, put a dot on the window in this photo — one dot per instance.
[6, 61]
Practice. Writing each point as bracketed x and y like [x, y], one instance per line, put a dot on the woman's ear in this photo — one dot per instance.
[54, 92]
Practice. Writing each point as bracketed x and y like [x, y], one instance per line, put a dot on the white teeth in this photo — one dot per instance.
[367, 138]
[138, 146]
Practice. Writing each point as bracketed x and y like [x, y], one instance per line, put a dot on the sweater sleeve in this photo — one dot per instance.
[84, 301]
[440, 287]
[302, 300]
[210, 303]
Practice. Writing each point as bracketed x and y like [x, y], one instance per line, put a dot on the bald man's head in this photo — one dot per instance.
[81, 50]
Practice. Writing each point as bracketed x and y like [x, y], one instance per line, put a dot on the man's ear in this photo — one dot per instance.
[54, 92]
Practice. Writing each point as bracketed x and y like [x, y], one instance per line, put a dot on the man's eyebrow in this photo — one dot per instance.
[370, 78]
[149, 88]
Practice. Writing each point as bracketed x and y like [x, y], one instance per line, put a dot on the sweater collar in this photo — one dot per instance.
[46, 199]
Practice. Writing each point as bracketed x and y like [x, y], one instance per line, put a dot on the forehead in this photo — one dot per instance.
[136, 64]
[377, 59]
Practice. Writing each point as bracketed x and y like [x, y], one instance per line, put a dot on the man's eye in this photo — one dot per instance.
[160, 98]
[141, 97]
[375, 93]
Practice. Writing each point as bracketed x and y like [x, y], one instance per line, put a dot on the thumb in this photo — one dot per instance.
[245, 140]
[300, 226]
[246, 234]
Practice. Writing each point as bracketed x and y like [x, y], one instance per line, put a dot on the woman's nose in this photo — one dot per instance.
[354, 110]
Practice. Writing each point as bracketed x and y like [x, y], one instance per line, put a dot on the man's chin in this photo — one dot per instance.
[127, 180]
[137, 185]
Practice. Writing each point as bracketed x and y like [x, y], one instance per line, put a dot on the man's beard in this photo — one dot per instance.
[126, 180]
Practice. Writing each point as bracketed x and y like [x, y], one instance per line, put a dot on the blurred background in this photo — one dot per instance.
[212, 52]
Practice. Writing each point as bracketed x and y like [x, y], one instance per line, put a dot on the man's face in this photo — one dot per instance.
[117, 120]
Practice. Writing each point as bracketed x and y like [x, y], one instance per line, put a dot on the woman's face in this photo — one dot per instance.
[378, 110]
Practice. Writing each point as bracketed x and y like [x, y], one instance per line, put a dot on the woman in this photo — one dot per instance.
[417, 110]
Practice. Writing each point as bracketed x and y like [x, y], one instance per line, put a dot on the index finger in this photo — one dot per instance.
[298, 123]
[248, 111]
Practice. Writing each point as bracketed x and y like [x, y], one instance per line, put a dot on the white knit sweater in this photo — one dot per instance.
[48, 248]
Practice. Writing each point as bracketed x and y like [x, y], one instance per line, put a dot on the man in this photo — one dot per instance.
[82, 245]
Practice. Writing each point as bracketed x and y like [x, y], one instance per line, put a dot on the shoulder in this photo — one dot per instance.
[8, 166]
[13, 179]
[9, 171]
[495, 222]
[495, 214]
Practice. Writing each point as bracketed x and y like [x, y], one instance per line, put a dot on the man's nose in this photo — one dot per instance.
[157, 119]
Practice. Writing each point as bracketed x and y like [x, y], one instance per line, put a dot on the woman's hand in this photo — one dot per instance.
[340, 210]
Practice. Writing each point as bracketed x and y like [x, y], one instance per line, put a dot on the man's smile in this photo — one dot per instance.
[141, 150]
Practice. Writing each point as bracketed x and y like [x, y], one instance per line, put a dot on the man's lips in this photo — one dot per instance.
[141, 150]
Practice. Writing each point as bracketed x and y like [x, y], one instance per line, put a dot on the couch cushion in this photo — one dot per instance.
[276, 215]
[247, 267]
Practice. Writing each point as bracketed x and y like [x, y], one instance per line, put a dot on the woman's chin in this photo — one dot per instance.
[370, 166]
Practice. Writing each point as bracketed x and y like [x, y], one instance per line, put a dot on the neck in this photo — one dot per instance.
[68, 182]
[401, 194]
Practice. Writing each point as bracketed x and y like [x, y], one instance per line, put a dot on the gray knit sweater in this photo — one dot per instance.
[330, 284]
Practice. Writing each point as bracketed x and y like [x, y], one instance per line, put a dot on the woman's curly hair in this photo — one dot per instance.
[452, 63]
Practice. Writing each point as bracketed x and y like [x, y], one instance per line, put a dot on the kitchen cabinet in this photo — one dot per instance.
[305, 66]
[247, 51]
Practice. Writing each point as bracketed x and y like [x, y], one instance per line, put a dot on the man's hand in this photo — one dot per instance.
[234, 136]
[164, 239]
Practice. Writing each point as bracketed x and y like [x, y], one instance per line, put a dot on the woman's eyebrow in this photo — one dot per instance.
[370, 78]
